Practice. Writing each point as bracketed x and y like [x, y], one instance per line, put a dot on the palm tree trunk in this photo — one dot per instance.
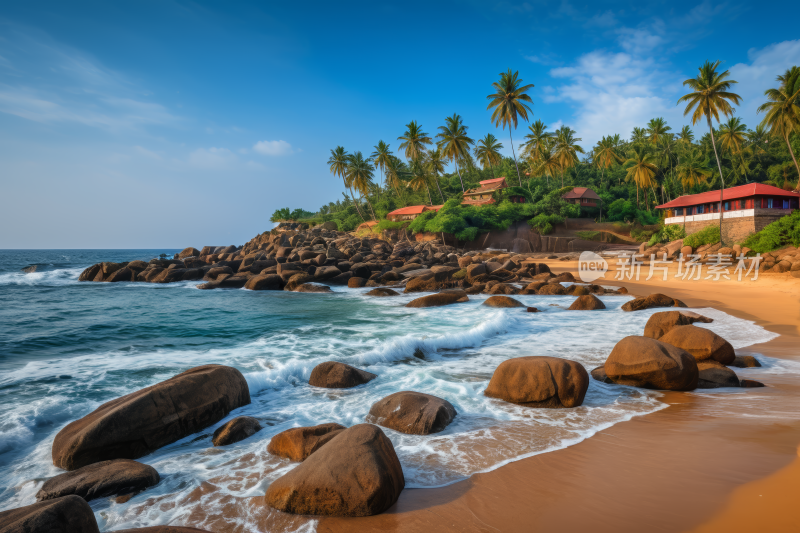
[430, 200]
[353, 196]
[438, 187]
[370, 208]
[637, 196]
[602, 173]
[721, 179]
[515, 156]
[786, 138]
[459, 175]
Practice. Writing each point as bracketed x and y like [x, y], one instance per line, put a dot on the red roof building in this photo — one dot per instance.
[411, 212]
[483, 195]
[749, 208]
[582, 196]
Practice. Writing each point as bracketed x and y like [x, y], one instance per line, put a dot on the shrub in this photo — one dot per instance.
[385, 224]
[670, 233]
[461, 274]
[707, 235]
[782, 232]
[588, 235]
[544, 223]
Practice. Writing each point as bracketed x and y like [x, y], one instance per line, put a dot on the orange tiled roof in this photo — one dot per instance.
[580, 192]
[495, 180]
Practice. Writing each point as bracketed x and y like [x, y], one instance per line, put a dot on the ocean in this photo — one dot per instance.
[67, 347]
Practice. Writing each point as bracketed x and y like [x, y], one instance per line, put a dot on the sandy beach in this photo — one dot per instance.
[709, 462]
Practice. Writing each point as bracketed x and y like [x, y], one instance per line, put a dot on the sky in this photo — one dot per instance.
[167, 124]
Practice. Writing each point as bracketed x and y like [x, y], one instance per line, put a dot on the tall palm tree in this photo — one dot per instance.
[783, 109]
[605, 154]
[434, 164]
[414, 141]
[338, 162]
[710, 96]
[509, 103]
[656, 129]
[359, 173]
[566, 149]
[731, 138]
[638, 136]
[535, 138]
[380, 157]
[667, 157]
[642, 170]
[693, 170]
[454, 141]
[686, 137]
[548, 163]
[487, 151]
[419, 178]
[393, 170]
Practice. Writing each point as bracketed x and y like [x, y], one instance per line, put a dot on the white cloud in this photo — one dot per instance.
[643, 39]
[273, 148]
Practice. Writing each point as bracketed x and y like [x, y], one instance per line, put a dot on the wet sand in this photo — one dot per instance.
[710, 462]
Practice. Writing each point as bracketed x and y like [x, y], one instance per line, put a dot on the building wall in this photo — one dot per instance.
[737, 229]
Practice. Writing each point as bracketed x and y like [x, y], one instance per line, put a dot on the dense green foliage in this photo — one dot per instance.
[286, 214]
[782, 232]
[670, 233]
[707, 235]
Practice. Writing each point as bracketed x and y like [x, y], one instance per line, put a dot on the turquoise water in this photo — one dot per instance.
[66, 347]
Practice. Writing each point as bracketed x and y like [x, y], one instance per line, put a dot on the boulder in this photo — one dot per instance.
[356, 282]
[188, 252]
[264, 282]
[552, 289]
[312, 287]
[701, 343]
[412, 412]
[502, 288]
[122, 274]
[599, 374]
[69, 514]
[475, 269]
[587, 302]
[336, 375]
[537, 381]
[651, 364]
[745, 361]
[99, 480]
[382, 292]
[143, 421]
[750, 383]
[686, 251]
[235, 430]
[326, 272]
[341, 279]
[90, 273]
[502, 301]
[356, 473]
[296, 280]
[714, 375]
[654, 300]
[297, 444]
[577, 290]
[440, 298]
[214, 272]
[533, 310]
[660, 323]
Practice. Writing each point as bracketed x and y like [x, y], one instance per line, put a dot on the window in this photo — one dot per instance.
[678, 211]
[727, 206]
[786, 204]
[769, 203]
[699, 209]
[742, 204]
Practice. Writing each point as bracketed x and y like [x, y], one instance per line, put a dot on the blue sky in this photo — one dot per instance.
[173, 124]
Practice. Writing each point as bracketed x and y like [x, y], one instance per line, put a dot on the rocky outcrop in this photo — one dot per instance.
[587, 302]
[714, 375]
[551, 289]
[662, 322]
[235, 430]
[356, 473]
[382, 292]
[264, 282]
[502, 301]
[336, 375]
[297, 444]
[654, 300]
[536, 381]
[143, 421]
[745, 361]
[702, 343]
[411, 412]
[99, 480]
[446, 297]
[651, 364]
[68, 514]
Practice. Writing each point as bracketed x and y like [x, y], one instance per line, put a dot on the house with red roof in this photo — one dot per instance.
[745, 209]
[583, 196]
[483, 195]
[411, 212]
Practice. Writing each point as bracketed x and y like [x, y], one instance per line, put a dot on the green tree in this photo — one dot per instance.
[642, 170]
[434, 164]
[414, 141]
[656, 129]
[359, 174]
[783, 110]
[454, 141]
[567, 149]
[536, 137]
[381, 155]
[548, 163]
[487, 152]
[638, 136]
[605, 155]
[419, 178]
[711, 96]
[693, 169]
[509, 103]
[339, 162]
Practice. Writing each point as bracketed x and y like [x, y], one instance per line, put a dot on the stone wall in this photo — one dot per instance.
[738, 229]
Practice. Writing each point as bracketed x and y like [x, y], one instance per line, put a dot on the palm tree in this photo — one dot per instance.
[393, 170]
[338, 162]
[566, 149]
[686, 137]
[605, 154]
[454, 142]
[667, 157]
[693, 169]
[434, 163]
[380, 157]
[642, 170]
[509, 103]
[359, 174]
[710, 96]
[487, 151]
[783, 109]
[419, 178]
[414, 141]
[638, 136]
[549, 164]
[731, 138]
[535, 138]
[656, 129]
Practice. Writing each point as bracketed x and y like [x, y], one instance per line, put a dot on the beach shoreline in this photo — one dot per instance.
[695, 465]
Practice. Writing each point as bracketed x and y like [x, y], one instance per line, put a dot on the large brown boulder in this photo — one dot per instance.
[701, 343]
[98, 480]
[297, 444]
[188, 252]
[90, 273]
[235, 430]
[537, 381]
[654, 300]
[143, 421]
[651, 364]
[745, 361]
[587, 302]
[356, 473]
[336, 375]
[446, 297]
[69, 514]
[264, 282]
[123, 274]
[663, 321]
[382, 292]
[552, 289]
[502, 301]
[411, 412]
[312, 287]
[714, 375]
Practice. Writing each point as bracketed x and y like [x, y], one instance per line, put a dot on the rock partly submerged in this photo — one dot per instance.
[99, 480]
[536, 381]
[651, 364]
[297, 444]
[235, 430]
[336, 375]
[412, 412]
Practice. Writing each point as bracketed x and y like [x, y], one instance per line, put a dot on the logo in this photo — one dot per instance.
[591, 267]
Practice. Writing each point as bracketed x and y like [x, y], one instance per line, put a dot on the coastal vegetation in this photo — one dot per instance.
[652, 165]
